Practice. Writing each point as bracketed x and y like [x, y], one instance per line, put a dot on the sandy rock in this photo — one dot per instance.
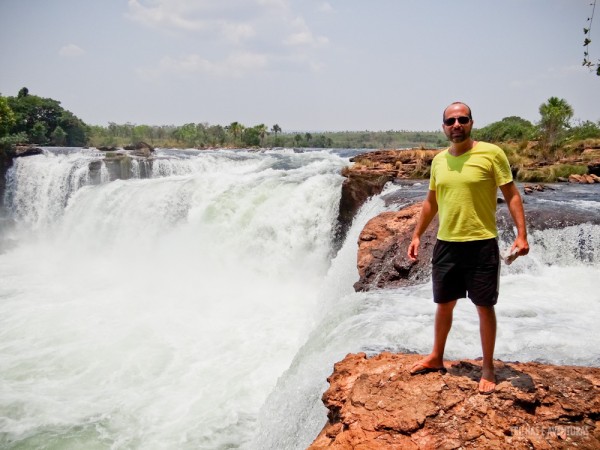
[374, 403]
[583, 179]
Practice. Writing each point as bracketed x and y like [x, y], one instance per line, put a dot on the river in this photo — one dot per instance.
[203, 307]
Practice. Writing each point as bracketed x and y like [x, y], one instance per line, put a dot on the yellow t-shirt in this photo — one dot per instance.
[466, 188]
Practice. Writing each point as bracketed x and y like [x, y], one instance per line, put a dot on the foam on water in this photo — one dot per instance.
[158, 313]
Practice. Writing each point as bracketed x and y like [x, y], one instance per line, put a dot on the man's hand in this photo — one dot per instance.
[521, 244]
[428, 212]
[413, 248]
[515, 206]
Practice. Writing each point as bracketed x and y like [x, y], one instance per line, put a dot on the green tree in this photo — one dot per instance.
[556, 114]
[236, 129]
[187, 134]
[251, 136]
[142, 133]
[585, 130]
[38, 133]
[30, 110]
[7, 117]
[511, 128]
[216, 135]
[58, 137]
[277, 141]
[308, 137]
[76, 130]
[262, 132]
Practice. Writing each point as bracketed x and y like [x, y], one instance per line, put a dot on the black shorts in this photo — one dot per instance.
[466, 267]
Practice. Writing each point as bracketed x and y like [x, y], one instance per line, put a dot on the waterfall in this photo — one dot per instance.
[158, 312]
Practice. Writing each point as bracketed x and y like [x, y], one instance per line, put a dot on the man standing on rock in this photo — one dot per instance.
[466, 260]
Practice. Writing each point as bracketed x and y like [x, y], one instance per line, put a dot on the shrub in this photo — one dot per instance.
[551, 173]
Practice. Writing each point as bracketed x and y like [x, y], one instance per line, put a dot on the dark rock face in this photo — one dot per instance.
[140, 149]
[383, 242]
[119, 166]
[374, 403]
[369, 174]
[382, 245]
[26, 150]
[356, 189]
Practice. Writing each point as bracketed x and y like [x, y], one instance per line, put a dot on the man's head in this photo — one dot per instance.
[457, 122]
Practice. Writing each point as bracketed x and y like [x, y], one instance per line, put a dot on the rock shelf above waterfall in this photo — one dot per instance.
[374, 403]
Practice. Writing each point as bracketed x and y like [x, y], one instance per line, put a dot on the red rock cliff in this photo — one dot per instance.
[382, 261]
[374, 403]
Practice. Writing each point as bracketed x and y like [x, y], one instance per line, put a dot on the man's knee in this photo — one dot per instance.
[446, 306]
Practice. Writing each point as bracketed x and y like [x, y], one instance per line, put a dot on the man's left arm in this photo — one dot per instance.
[515, 206]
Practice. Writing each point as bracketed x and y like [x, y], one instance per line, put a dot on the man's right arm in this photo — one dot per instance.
[428, 212]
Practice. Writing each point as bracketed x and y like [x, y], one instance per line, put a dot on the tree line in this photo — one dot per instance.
[30, 119]
[555, 128]
[238, 135]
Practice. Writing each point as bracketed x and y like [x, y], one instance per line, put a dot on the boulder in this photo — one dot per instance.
[140, 149]
[583, 179]
[374, 403]
[382, 245]
[27, 150]
[531, 188]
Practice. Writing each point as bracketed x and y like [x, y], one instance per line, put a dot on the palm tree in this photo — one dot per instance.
[556, 114]
[308, 137]
[235, 128]
[262, 131]
[276, 129]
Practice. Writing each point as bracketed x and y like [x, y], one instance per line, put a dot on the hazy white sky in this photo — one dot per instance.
[303, 64]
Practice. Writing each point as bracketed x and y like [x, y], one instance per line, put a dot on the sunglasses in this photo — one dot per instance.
[463, 120]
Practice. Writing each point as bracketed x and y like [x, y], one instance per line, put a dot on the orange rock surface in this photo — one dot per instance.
[374, 403]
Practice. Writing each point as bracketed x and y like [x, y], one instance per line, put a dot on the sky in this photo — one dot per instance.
[306, 65]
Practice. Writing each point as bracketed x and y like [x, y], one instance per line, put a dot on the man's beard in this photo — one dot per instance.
[457, 137]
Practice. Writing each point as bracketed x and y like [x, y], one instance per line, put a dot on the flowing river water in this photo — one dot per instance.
[204, 306]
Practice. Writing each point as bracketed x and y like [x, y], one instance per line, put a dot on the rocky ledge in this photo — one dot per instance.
[371, 171]
[374, 403]
[382, 244]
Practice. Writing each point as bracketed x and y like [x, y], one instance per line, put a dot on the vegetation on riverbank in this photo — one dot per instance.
[237, 135]
[554, 147]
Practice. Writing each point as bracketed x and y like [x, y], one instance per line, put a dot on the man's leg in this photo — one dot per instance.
[487, 331]
[443, 323]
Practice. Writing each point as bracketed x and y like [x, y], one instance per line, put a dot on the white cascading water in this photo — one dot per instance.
[201, 308]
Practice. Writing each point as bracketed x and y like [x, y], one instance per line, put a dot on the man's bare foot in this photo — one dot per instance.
[487, 384]
[426, 365]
